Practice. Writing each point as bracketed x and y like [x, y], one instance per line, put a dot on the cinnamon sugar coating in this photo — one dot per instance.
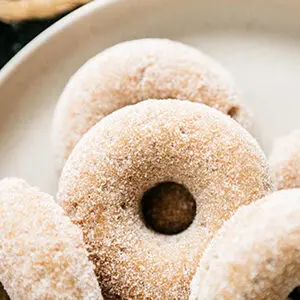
[256, 254]
[134, 149]
[138, 70]
[42, 255]
[285, 161]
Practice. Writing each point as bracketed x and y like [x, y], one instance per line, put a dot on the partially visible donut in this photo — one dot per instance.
[16, 11]
[137, 148]
[256, 254]
[285, 161]
[134, 71]
[42, 254]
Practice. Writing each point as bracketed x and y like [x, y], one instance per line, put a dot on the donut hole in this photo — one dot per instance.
[3, 294]
[168, 208]
[295, 294]
[233, 112]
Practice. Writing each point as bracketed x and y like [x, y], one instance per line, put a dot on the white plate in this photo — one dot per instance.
[258, 41]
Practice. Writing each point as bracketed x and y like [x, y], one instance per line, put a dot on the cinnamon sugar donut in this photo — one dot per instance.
[42, 255]
[137, 148]
[14, 11]
[285, 161]
[138, 70]
[256, 254]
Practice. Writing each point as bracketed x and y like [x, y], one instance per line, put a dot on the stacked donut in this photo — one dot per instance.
[157, 192]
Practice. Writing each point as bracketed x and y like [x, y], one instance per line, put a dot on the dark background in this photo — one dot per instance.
[16, 35]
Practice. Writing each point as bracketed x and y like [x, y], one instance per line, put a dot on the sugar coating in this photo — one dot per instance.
[138, 70]
[136, 148]
[256, 254]
[42, 254]
[285, 161]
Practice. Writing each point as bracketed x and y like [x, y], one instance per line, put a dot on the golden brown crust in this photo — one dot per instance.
[42, 254]
[285, 161]
[134, 149]
[138, 70]
[17, 10]
[256, 254]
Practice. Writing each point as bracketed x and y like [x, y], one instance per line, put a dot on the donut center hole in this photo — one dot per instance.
[168, 208]
[3, 294]
[295, 294]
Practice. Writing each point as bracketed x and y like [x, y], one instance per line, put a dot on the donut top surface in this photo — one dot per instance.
[42, 255]
[136, 148]
[137, 70]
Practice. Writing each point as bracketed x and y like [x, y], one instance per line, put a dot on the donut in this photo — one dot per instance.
[112, 170]
[285, 161]
[256, 254]
[15, 11]
[134, 71]
[42, 254]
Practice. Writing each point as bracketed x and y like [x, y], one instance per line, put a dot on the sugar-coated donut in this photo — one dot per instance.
[138, 70]
[42, 254]
[285, 161]
[134, 149]
[256, 254]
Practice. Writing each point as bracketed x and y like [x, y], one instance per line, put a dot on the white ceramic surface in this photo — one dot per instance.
[258, 41]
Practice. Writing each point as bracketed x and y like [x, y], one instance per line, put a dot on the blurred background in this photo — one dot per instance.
[15, 35]
[16, 31]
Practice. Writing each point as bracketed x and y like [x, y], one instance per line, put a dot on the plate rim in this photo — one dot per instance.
[12, 65]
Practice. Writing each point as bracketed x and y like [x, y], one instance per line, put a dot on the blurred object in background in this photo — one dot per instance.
[16, 35]
[12, 11]
[16, 30]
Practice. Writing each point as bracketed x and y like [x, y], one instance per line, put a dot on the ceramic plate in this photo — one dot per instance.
[257, 41]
